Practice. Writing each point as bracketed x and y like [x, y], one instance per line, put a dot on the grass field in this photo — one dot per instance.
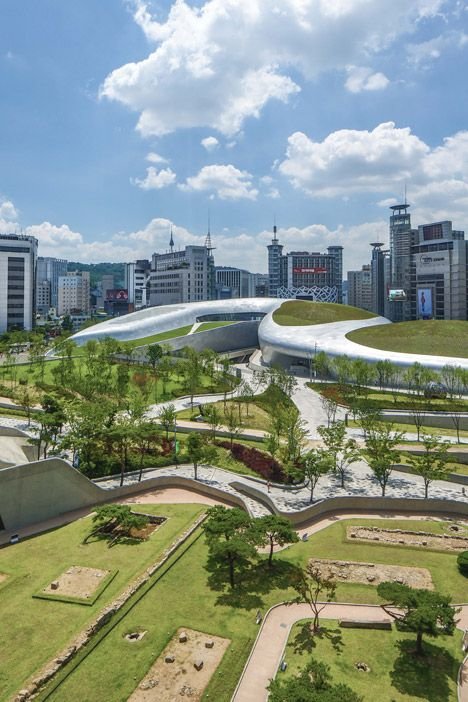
[204, 603]
[303, 313]
[162, 336]
[385, 399]
[407, 428]
[395, 675]
[206, 326]
[38, 629]
[433, 337]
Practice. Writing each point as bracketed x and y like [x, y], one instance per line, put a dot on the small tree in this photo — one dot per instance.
[199, 451]
[349, 454]
[167, 418]
[432, 464]
[330, 407]
[421, 611]
[315, 464]
[381, 452]
[118, 520]
[312, 587]
[456, 418]
[233, 422]
[462, 562]
[333, 437]
[213, 417]
[312, 684]
[272, 531]
[229, 537]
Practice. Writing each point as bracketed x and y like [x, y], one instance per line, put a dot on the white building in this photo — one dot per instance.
[73, 293]
[182, 276]
[234, 282]
[136, 282]
[18, 256]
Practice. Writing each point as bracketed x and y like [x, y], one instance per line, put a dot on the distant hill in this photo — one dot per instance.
[97, 270]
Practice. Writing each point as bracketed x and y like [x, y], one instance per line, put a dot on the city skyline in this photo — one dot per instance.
[117, 127]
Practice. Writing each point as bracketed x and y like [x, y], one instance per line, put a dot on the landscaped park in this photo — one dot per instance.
[283, 549]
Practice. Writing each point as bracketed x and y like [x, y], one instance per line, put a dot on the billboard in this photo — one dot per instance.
[424, 298]
[310, 270]
[117, 294]
[396, 295]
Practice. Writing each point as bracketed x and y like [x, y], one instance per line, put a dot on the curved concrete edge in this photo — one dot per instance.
[356, 504]
[155, 320]
[462, 689]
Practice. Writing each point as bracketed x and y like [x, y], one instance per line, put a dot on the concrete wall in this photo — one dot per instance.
[358, 504]
[42, 490]
[443, 420]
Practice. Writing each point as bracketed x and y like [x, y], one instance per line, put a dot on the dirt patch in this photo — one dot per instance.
[179, 678]
[3, 577]
[144, 533]
[400, 537]
[374, 573]
[77, 581]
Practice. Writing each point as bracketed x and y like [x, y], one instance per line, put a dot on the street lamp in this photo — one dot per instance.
[175, 440]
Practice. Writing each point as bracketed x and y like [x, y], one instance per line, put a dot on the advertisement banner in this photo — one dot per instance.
[310, 270]
[425, 303]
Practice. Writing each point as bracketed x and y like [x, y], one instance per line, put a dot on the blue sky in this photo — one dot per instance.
[122, 117]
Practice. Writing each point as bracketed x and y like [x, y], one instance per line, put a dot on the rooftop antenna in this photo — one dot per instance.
[275, 229]
[171, 242]
[208, 242]
[406, 202]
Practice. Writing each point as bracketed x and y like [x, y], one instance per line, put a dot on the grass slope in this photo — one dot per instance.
[38, 629]
[433, 337]
[162, 336]
[301, 313]
[189, 595]
[395, 672]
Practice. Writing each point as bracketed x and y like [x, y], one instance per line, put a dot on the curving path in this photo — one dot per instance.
[269, 646]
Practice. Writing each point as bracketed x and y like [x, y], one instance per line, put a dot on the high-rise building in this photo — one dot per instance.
[360, 291]
[401, 240]
[49, 271]
[234, 282]
[136, 282]
[183, 276]
[305, 275]
[74, 293]
[18, 257]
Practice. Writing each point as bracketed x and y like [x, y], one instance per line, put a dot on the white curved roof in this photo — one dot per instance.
[304, 341]
[155, 320]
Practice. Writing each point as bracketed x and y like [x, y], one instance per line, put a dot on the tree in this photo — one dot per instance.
[315, 464]
[272, 531]
[153, 355]
[312, 587]
[330, 407]
[385, 372]
[421, 611]
[456, 417]
[462, 562]
[432, 464]
[213, 417]
[229, 538]
[381, 454]
[350, 453]
[233, 422]
[167, 417]
[118, 520]
[292, 427]
[25, 399]
[333, 437]
[199, 451]
[312, 684]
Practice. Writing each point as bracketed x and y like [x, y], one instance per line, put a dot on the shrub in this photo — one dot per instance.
[462, 562]
[256, 460]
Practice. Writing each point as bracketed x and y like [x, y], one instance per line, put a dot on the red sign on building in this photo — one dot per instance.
[310, 270]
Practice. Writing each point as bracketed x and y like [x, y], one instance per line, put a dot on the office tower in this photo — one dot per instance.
[18, 258]
[234, 282]
[136, 282]
[74, 293]
[360, 291]
[49, 271]
[275, 252]
[401, 240]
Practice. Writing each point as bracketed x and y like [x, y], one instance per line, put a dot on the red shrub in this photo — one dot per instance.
[256, 460]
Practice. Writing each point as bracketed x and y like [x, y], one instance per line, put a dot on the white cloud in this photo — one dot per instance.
[431, 50]
[225, 181]
[8, 210]
[153, 157]
[156, 180]
[351, 161]
[210, 143]
[361, 78]
[219, 63]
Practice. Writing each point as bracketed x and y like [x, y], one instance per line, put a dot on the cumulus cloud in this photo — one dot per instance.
[8, 210]
[220, 62]
[361, 78]
[225, 181]
[210, 143]
[156, 180]
[352, 161]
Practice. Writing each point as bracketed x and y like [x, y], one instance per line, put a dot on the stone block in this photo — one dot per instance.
[169, 659]
[209, 644]
[198, 665]
[183, 637]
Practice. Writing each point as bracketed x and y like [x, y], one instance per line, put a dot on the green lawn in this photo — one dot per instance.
[386, 399]
[302, 313]
[396, 674]
[189, 596]
[206, 326]
[411, 428]
[433, 337]
[162, 336]
[38, 629]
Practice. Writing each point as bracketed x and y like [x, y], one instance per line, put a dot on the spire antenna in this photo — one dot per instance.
[171, 242]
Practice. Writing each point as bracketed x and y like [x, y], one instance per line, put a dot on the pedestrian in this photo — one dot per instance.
[268, 486]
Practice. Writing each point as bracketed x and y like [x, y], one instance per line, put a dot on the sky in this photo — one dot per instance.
[121, 119]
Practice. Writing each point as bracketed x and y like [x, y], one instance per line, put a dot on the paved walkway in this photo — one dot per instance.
[269, 646]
